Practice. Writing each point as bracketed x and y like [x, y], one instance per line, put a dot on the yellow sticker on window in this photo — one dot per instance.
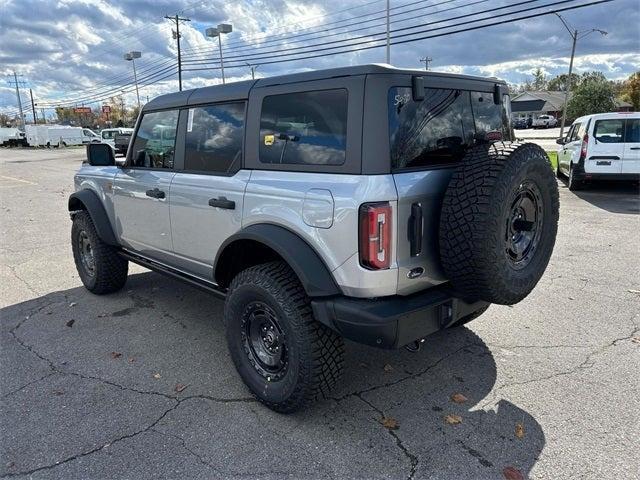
[269, 140]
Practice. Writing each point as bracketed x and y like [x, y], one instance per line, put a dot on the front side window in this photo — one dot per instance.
[108, 135]
[154, 144]
[214, 138]
[306, 128]
[441, 128]
[574, 133]
[608, 131]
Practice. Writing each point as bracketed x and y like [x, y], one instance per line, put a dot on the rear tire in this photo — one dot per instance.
[286, 357]
[573, 183]
[499, 222]
[101, 269]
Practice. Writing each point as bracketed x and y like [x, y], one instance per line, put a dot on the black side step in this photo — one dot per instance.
[171, 272]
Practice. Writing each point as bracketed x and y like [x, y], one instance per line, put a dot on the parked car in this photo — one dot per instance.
[108, 135]
[544, 121]
[369, 203]
[121, 142]
[519, 122]
[604, 146]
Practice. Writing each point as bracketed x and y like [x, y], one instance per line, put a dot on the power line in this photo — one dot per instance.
[398, 42]
[366, 39]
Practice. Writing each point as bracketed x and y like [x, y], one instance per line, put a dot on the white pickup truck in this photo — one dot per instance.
[544, 121]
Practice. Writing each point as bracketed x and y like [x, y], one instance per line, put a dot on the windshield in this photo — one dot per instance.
[441, 128]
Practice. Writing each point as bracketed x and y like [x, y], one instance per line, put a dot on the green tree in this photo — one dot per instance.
[539, 80]
[559, 82]
[593, 95]
[631, 90]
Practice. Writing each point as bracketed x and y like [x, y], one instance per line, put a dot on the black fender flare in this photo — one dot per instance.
[301, 257]
[89, 201]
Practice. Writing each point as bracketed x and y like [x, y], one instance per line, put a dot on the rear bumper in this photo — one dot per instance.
[392, 322]
[623, 177]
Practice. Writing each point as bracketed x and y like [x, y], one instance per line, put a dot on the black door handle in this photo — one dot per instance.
[415, 230]
[155, 193]
[222, 202]
[634, 148]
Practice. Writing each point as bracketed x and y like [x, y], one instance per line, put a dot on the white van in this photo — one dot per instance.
[55, 135]
[603, 146]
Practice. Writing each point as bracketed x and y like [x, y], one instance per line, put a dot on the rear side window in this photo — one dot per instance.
[632, 134]
[154, 144]
[441, 128]
[306, 128]
[214, 138]
[608, 131]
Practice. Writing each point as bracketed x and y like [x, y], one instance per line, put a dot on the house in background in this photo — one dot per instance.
[531, 104]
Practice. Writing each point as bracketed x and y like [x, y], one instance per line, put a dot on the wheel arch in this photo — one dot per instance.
[261, 243]
[88, 200]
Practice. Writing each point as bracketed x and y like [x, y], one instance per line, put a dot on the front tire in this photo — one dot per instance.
[101, 269]
[286, 357]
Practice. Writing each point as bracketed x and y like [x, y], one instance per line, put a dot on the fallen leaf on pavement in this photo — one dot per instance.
[180, 387]
[635, 339]
[131, 359]
[519, 430]
[115, 355]
[452, 419]
[72, 304]
[458, 398]
[157, 375]
[511, 473]
[388, 368]
[390, 423]
[631, 290]
[70, 323]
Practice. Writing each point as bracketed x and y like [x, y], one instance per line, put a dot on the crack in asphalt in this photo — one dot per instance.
[584, 365]
[8, 394]
[413, 459]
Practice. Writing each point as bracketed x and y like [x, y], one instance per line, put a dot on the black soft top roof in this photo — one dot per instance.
[240, 90]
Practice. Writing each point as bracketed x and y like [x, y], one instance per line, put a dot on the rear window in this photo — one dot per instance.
[608, 131]
[439, 129]
[306, 128]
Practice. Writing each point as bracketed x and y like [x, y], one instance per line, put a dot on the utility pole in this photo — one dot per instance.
[575, 36]
[176, 35]
[388, 37]
[15, 80]
[33, 108]
[253, 70]
[426, 61]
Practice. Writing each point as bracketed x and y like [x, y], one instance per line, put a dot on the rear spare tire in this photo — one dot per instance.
[499, 222]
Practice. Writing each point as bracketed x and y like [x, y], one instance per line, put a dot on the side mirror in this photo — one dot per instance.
[560, 141]
[100, 155]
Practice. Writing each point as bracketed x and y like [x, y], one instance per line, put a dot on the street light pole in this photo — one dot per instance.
[253, 69]
[131, 56]
[575, 35]
[217, 32]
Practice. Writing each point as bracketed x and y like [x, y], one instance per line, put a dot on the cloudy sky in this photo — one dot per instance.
[71, 51]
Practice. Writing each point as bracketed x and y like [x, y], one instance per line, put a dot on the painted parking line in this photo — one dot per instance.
[9, 182]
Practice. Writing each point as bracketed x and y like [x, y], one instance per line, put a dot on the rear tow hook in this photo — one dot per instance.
[414, 347]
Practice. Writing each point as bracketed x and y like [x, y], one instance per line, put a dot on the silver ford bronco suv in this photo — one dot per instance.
[370, 203]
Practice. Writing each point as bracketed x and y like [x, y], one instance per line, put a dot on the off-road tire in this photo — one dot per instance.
[110, 269]
[474, 221]
[573, 183]
[467, 318]
[315, 353]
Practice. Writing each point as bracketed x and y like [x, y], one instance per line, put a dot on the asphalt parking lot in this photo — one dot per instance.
[139, 384]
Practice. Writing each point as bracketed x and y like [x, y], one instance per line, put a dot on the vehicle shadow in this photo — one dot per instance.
[157, 333]
[614, 197]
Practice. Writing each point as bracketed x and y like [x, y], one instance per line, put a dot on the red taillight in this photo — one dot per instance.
[583, 148]
[375, 235]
